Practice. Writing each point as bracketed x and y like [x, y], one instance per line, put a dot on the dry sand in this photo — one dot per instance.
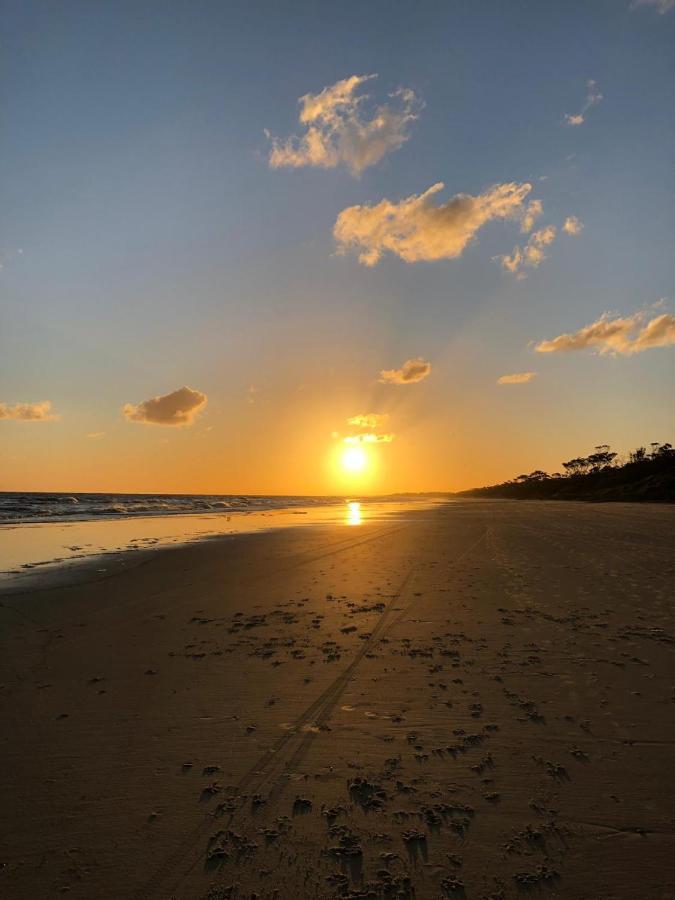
[474, 701]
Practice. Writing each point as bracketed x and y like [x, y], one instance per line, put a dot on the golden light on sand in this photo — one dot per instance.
[353, 513]
[354, 459]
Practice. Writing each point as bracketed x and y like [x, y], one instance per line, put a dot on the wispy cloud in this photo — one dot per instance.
[593, 97]
[573, 226]
[29, 412]
[95, 435]
[415, 229]
[369, 438]
[341, 127]
[623, 335]
[372, 421]
[534, 209]
[177, 408]
[531, 255]
[516, 378]
[412, 371]
[662, 6]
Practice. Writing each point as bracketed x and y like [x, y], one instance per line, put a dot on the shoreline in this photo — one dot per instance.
[36, 554]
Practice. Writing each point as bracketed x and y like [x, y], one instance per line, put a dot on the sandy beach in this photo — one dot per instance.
[469, 701]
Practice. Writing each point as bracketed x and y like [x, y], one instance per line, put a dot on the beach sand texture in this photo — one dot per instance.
[470, 701]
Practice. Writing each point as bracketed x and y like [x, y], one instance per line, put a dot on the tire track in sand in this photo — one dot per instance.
[268, 774]
[274, 763]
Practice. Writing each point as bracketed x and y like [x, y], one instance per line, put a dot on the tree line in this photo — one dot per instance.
[603, 458]
[646, 473]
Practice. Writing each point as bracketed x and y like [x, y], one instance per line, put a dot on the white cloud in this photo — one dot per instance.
[29, 412]
[369, 438]
[573, 226]
[372, 421]
[616, 335]
[516, 378]
[412, 371]
[662, 6]
[339, 129]
[593, 97]
[417, 230]
[177, 408]
[531, 255]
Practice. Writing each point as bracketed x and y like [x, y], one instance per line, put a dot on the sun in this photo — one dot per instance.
[354, 460]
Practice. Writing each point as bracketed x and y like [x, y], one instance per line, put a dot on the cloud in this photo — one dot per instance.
[618, 335]
[177, 408]
[593, 97]
[534, 209]
[339, 129]
[516, 378]
[369, 438]
[371, 421]
[662, 6]
[29, 412]
[96, 435]
[417, 230]
[531, 255]
[412, 371]
[572, 225]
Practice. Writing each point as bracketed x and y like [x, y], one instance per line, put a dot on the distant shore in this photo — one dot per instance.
[643, 478]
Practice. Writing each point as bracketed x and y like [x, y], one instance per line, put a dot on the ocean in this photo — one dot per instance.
[33, 507]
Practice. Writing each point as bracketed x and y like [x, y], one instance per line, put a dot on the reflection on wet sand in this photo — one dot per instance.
[353, 513]
[27, 547]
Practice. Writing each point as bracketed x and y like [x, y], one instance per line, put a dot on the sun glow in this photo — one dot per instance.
[354, 459]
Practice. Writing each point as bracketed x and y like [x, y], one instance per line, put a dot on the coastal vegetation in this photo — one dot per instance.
[645, 474]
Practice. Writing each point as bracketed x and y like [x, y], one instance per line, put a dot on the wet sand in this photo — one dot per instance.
[472, 701]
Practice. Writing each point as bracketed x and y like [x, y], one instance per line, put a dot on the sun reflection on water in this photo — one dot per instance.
[353, 513]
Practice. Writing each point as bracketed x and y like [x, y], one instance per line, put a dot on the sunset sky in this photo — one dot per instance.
[229, 228]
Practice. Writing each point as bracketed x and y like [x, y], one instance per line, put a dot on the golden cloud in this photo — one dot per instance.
[572, 226]
[412, 371]
[531, 255]
[339, 130]
[517, 378]
[369, 438]
[29, 412]
[417, 230]
[534, 209]
[177, 408]
[371, 421]
[623, 335]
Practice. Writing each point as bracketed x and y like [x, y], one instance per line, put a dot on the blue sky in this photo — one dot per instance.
[158, 248]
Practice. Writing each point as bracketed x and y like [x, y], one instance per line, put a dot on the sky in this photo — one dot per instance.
[228, 229]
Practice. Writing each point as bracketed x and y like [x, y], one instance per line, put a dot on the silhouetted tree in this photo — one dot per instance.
[602, 457]
[603, 475]
[575, 466]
